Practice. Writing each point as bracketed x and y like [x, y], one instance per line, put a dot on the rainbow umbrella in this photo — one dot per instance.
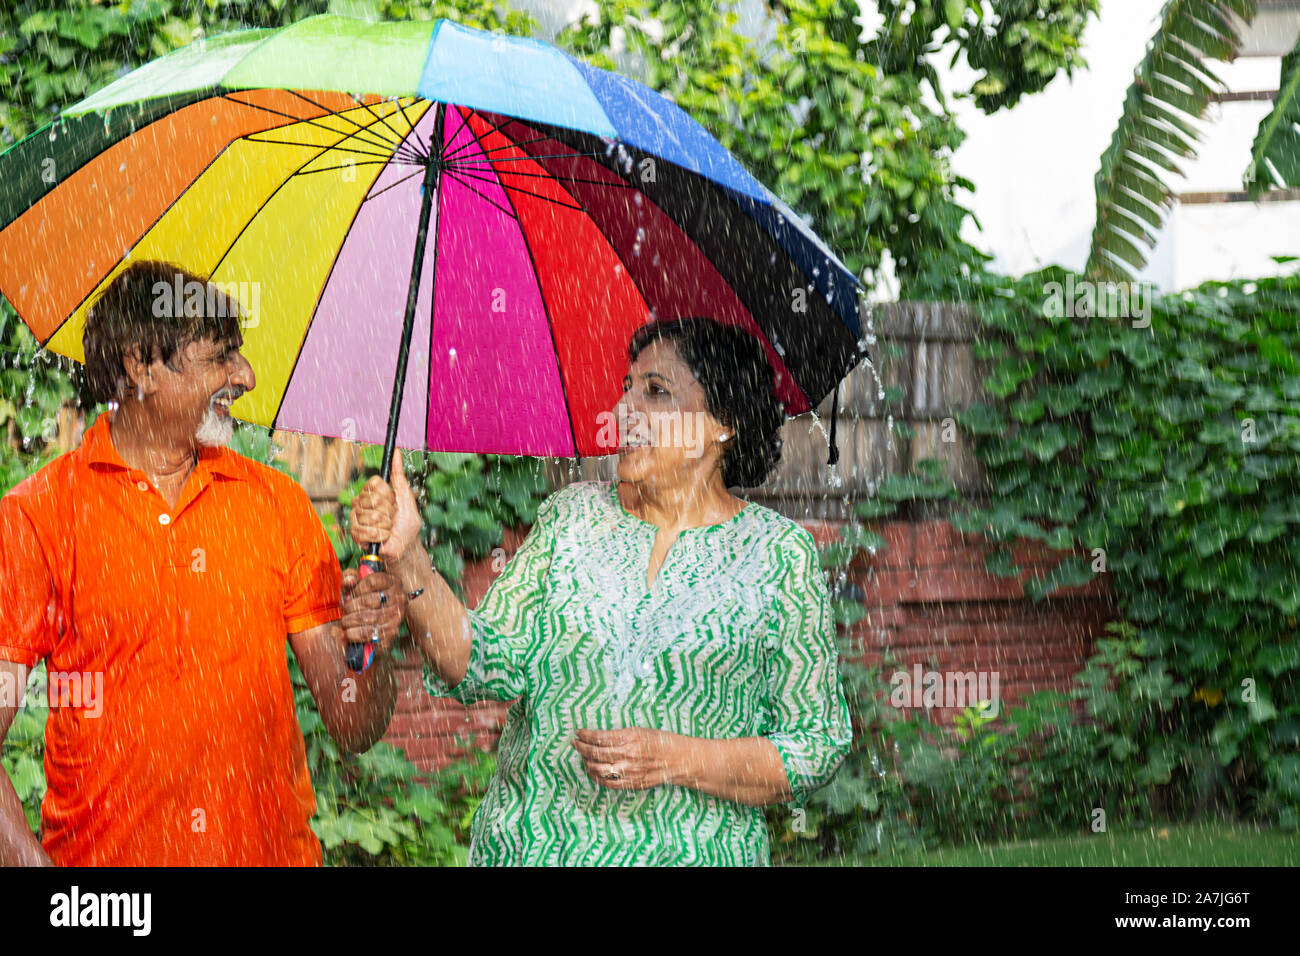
[442, 238]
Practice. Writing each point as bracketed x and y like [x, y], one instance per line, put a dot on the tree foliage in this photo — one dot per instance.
[1275, 154]
[839, 124]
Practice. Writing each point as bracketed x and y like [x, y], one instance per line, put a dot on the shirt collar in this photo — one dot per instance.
[97, 445]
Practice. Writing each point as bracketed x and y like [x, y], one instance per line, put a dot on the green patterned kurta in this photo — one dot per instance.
[735, 638]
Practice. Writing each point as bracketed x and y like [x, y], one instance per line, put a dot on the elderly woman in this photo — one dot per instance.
[669, 646]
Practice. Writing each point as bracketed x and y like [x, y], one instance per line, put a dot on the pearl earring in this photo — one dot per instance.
[139, 392]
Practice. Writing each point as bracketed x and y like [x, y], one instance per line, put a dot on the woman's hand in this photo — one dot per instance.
[642, 756]
[387, 514]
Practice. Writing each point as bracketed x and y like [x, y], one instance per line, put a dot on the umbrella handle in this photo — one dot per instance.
[360, 656]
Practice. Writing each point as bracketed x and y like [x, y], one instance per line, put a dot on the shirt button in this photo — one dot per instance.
[142, 485]
[164, 519]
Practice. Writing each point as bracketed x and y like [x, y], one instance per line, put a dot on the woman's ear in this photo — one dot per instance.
[728, 432]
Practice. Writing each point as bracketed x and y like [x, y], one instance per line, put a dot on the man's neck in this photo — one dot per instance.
[145, 446]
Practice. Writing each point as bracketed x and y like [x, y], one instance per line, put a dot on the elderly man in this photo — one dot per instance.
[163, 572]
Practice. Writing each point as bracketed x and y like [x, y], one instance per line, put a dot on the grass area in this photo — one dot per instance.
[1191, 844]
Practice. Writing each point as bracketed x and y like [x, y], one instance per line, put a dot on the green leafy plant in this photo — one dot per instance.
[1275, 154]
[1165, 456]
[378, 809]
[1107, 744]
[34, 385]
[50, 58]
[24, 748]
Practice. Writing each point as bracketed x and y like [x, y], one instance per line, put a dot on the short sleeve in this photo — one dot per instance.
[808, 715]
[506, 623]
[28, 610]
[313, 578]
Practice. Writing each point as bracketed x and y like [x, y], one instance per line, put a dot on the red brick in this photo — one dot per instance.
[823, 532]
[946, 584]
[935, 536]
[886, 587]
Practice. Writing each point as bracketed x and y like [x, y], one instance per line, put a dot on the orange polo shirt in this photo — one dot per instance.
[179, 743]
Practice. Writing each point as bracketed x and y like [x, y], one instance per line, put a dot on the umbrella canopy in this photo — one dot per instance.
[571, 205]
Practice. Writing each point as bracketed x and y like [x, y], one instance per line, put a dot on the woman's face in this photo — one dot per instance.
[666, 434]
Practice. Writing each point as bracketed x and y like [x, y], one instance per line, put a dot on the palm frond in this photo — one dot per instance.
[1171, 89]
[1275, 156]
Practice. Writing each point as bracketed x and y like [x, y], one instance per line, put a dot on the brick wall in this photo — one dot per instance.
[928, 600]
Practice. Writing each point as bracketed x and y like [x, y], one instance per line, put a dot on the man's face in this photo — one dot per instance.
[212, 375]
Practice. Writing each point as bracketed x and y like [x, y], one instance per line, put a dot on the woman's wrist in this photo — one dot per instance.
[410, 568]
[682, 760]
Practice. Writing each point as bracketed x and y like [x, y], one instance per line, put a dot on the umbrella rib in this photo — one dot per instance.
[614, 249]
[341, 149]
[326, 169]
[522, 190]
[414, 133]
[418, 172]
[528, 156]
[493, 202]
[397, 137]
[404, 149]
[478, 138]
[546, 314]
[347, 119]
[321, 150]
[509, 144]
[465, 163]
[310, 121]
[474, 137]
[313, 121]
[567, 179]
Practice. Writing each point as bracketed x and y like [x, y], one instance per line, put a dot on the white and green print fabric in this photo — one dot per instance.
[734, 638]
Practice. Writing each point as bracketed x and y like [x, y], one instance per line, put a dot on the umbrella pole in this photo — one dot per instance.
[359, 656]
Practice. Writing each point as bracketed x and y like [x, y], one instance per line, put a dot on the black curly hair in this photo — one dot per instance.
[739, 390]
